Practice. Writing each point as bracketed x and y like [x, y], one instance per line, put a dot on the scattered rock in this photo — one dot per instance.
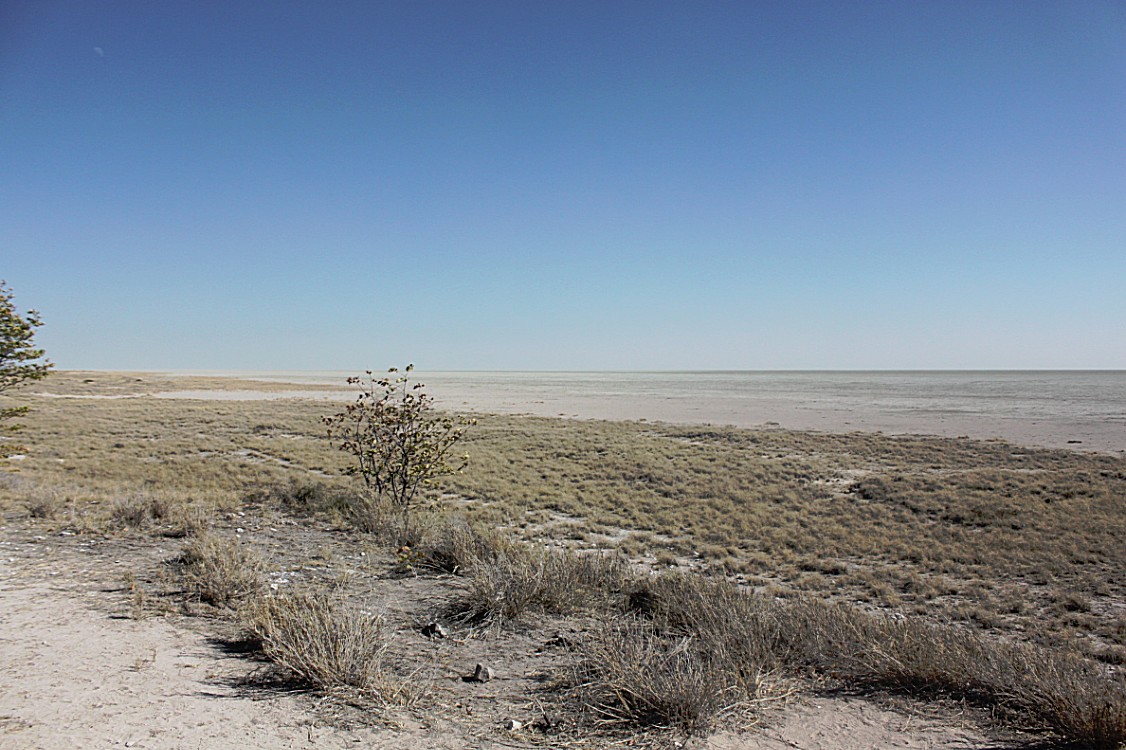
[560, 641]
[481, 674]
[434, 630]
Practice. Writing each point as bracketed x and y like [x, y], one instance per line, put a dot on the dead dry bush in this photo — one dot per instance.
[138, 510]
[453, 545]
[1037, 688]
[220, 570]
[1041, 689]
[526, 580]
[319, 640]
[304, 498]
[632, 677]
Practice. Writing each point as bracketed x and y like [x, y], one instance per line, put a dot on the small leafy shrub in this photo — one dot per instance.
[401, 446]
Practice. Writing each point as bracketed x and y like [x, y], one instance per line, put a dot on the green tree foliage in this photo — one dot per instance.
[400, 444]
[20, 361]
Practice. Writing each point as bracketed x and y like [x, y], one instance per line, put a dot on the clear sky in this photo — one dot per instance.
[567, 185]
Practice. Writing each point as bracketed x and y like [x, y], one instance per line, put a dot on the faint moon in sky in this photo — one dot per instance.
[100, 51]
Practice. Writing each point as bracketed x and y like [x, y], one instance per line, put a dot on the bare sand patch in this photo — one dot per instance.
[850, 724]
[75, 675]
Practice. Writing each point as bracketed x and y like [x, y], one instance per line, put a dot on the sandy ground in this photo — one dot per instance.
[1106, 436]
[76, 671]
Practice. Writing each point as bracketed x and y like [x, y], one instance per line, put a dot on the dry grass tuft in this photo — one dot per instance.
[1054, 690]
[321, 641]
[452, 545]
[750, 630]
[169, 514]
[365, 511]
[524, 580]
[633, 677]
[219, 570]
[138, 510]
[45, 505]
[304, 497]
[1041, 689]
[189, 520]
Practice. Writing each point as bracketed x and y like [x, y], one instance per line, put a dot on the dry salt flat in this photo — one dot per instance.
[1076, 410]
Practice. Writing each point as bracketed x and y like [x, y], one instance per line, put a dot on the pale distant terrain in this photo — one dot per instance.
[1079, 410]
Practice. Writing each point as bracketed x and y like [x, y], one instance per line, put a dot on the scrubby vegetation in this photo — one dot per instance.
[751, 635]
[691, 574]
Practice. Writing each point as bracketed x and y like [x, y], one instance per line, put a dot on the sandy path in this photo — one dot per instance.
[74, 675]
[76, 678]
[850, 724]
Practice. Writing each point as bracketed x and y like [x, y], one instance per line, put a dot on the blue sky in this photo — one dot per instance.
[515, 185]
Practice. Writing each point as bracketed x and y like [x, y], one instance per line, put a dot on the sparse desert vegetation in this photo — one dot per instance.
[655, 580]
